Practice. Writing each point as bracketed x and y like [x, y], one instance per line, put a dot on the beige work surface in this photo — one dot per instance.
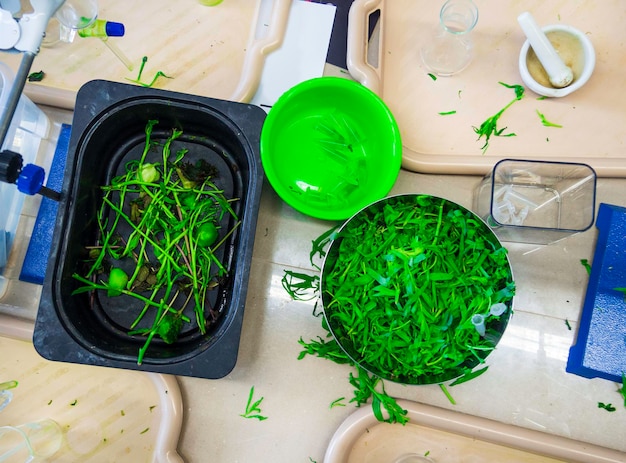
[208, 51]
[106, 414]
[593, 119]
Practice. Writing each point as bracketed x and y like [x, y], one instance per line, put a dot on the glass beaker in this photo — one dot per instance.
[74, 15]
[5, 396]
[30, 442]
[449, 49]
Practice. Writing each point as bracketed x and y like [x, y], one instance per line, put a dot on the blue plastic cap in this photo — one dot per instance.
[114, 29]
[31, 179]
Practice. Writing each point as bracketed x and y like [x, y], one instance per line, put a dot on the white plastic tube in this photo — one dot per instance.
[478, 321]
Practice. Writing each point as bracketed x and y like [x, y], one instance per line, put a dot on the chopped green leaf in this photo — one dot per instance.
[366, 387]
[338, 402]
[622, 390]
[489, 127]
[36, 76]
[547, 123]
[73, 404]
[253, 409]
[447, 113]
[432, 76]
[319, 245]
[585, 263]
[447, 393]
[469, 376]
[145, 431]
[607, 407]
[569, 327]
[300, 286]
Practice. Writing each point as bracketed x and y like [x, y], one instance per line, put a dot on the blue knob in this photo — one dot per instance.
[31, 179]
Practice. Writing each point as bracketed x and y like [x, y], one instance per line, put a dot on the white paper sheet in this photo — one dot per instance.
[302, 54]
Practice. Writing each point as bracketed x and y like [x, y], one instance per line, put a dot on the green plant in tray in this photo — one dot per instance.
[160, 227]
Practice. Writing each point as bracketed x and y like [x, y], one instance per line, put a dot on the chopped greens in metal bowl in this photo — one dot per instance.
[411, 288]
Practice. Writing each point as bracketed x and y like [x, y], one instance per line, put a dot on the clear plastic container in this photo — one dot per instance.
[28, 127]
[30, 442]
[537, 202]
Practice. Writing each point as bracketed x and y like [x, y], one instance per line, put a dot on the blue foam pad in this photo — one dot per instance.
[600, 348]
[36, 260]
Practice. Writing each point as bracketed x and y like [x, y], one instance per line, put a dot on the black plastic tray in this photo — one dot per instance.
[108, 130]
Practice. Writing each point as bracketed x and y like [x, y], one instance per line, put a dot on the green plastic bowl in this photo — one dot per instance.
[329, 147]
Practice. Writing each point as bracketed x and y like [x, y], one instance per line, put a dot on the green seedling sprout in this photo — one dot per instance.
[159, 234]
[489, 127]
[253, 409]
[158, 74]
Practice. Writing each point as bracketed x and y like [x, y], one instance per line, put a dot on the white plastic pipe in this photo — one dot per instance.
[559, 74]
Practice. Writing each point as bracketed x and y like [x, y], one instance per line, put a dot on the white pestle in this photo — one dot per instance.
[559, 74]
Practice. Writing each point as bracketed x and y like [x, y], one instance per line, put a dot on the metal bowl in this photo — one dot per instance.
[391, 329]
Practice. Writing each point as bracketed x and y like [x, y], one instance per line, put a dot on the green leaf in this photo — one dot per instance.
[585, 263]
[489, 127]
[338, 402]
[547, 123]
[469, 376]
[607, 407]
[253, 409]
[447, 393]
